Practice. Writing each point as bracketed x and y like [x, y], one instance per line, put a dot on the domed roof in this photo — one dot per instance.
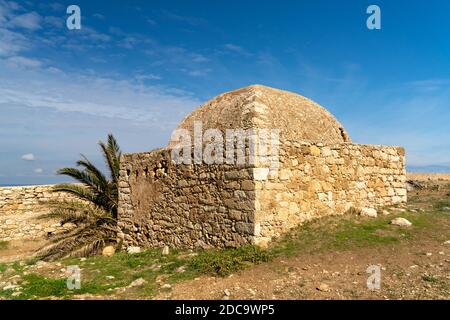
[256, 106]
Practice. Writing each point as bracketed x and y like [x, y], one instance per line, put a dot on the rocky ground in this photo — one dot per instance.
[327, 259]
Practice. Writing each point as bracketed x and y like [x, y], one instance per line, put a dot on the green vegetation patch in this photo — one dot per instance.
[4, 245]
[225, 262]
[347, 232]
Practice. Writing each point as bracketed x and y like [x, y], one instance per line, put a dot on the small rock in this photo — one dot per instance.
[401, 222]
[133, 250]
[17, 293]
[441, 253]
[137, 283]
[447, 242]
[323, 287]
[15, 279]
[369, 212]
[161, 278]
[227, 292]
[108, 251]
[445, 208]
[180, 269]
[166, 286]
[41, 263]
[83, 259]
[69, 225]
[9, 271]
[429, 254]
[385, 213]
[10, 286]
[110, 277]
[155, 267]
[252, 292]
[165, 251]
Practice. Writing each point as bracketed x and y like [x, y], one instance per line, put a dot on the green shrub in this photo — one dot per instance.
[4, 245]
[225, 262]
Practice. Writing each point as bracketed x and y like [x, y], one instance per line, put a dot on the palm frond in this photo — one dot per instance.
[95, 215]
[81, 192]
[112, 154]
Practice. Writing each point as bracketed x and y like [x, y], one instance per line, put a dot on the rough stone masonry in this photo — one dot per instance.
[319, 172]
[21, 210]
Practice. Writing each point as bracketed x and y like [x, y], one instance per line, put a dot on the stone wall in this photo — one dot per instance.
[163, 203]
[20, 208]
[423, 176]
[317, 180]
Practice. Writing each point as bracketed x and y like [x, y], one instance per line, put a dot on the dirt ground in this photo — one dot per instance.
[407, 272]
[415, 267]
[20, 249]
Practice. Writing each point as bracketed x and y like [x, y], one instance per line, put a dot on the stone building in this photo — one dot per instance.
[318, 171]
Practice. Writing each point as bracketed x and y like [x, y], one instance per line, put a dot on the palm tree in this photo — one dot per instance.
[93, 210]
[97, 188]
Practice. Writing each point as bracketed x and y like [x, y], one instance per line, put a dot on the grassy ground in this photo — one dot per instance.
[110, 277]
[4, 245]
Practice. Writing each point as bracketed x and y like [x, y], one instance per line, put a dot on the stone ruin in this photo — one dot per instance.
[318, 172]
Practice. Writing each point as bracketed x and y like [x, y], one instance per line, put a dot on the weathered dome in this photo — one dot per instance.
[256, 106]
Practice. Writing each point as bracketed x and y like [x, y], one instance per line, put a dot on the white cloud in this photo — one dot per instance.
[199, 58]
[28, 157]
[38, 170]
[144, 77]
[93, 94]
[23, 62]
[236, 49]
[12, 42]
[31, 21]
[6, 10]
[56, 22]
[56, 6]
[152, 22]
[99, 16]
[199, 72]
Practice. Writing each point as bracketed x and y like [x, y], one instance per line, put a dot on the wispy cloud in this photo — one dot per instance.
[236, 49]
[99, 16]
[151, 21]
[94, 95]
[193, 21]
[28, 157]
[12, 42]
[23, 62]
[199, 72]
[31, 21]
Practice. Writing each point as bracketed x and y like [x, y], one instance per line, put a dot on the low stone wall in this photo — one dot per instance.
[161, 203]
[20, 208]
[314, 180]
[421, 176]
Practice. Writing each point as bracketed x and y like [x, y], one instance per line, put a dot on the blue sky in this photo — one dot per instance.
[137, 67]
